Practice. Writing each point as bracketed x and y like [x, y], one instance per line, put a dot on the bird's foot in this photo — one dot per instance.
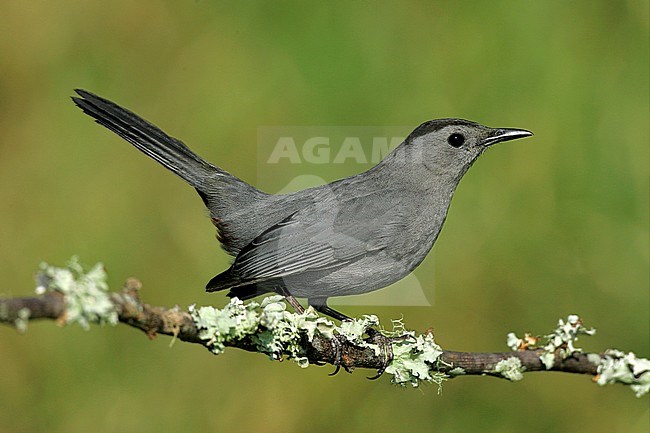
[338, 356]
[384, 343]
[336, 345]
[374, 337]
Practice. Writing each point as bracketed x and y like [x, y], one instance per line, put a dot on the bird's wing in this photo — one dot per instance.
[320, 237]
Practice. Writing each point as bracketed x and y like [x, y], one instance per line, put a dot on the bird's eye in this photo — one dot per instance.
[456, 140]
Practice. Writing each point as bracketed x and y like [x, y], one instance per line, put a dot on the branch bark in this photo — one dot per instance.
[153, 320]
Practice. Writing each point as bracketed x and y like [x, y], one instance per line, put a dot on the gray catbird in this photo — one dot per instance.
[352, 236]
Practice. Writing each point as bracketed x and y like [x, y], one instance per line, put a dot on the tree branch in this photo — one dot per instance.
[175, 322]
[309, 339]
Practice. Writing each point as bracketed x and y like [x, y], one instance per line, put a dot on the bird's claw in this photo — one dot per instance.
[336, 344]
[374, 337]
[384, 344]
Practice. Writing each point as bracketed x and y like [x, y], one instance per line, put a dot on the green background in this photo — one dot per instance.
[540, 228]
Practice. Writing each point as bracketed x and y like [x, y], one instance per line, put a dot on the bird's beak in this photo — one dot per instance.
[505, 134]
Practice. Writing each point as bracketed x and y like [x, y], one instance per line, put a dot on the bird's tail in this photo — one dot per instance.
[168, 151]
[228, 280]
[226, 196]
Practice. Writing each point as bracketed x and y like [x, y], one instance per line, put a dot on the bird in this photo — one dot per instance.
[351, 236]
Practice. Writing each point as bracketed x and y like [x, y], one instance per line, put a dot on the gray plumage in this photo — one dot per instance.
[351, 236]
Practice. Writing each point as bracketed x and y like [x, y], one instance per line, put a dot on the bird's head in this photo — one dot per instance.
[448, 147]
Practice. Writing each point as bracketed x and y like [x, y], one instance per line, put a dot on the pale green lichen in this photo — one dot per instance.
[513, 342]
[458, 371]
[277, 332]
[563, 337]
[615, 366]
[559, 342]
[510, 369]
[272, 329]
[22, 320]
[414, 357]
[85, 293]
[217, 326]
[353, 330]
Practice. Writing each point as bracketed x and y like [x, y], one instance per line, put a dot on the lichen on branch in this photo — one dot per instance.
[72, 295]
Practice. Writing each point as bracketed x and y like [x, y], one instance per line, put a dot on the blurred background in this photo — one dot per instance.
[539, 228]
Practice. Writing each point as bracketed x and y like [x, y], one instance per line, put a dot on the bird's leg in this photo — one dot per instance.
[299, 310]
[320, 305]
[291, 300]
[295, 304]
